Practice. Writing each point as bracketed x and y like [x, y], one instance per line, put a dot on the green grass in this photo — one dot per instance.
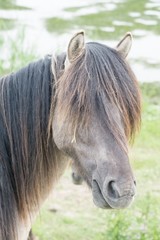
[76, 9]
[10, 4]
[6, 24]
[18, 57]
[57, 24]
[94, 23]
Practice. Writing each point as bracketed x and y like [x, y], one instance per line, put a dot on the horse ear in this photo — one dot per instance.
[125, 44]
[76, 46]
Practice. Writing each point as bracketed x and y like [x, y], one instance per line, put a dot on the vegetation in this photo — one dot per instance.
[17, 57]
[6, 24]
[107, 22]
[10, 4]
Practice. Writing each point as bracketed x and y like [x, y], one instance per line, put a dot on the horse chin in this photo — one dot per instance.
[100, 202]
[104, 202]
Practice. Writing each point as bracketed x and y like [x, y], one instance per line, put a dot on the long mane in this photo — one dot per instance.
[100, 76]
[27, 160]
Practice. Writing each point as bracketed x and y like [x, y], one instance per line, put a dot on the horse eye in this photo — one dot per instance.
[82, 109]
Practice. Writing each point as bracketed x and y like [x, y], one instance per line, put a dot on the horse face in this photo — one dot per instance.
[99, 160]
[98, 157]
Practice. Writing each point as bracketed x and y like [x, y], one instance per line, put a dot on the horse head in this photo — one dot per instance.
[97, 112]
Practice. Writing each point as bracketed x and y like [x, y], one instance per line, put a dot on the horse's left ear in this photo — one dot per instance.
[125, 44]
[76, 46]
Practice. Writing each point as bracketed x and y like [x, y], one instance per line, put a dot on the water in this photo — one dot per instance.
[49, 25]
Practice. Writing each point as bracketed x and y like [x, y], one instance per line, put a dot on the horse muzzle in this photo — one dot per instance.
[112, 194]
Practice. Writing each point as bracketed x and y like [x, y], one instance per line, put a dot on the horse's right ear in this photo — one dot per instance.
[76, 46]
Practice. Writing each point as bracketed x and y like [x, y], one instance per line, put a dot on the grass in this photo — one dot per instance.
[6, 24]
[57, 24]
[98, 25]
[18, 57]
[70, 214]
[10, 4]
[94, 23]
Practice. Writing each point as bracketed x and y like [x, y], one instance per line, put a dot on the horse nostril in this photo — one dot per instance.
[112, 190]
[135, 183]
[116, 190]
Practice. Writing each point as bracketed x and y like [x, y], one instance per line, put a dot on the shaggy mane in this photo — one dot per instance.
[27, 156]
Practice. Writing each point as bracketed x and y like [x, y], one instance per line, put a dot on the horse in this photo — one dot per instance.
[82, 104]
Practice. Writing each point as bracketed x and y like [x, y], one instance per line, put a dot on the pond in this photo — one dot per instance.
[48, 26]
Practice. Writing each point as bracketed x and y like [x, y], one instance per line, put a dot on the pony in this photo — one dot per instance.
[83, 104]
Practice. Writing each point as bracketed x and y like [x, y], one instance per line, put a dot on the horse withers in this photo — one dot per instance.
[84, 105]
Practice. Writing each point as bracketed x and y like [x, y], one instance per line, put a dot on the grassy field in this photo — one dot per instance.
[70, 214]
[95, 24]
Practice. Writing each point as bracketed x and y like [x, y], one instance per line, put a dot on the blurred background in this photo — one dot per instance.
[29, 29]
